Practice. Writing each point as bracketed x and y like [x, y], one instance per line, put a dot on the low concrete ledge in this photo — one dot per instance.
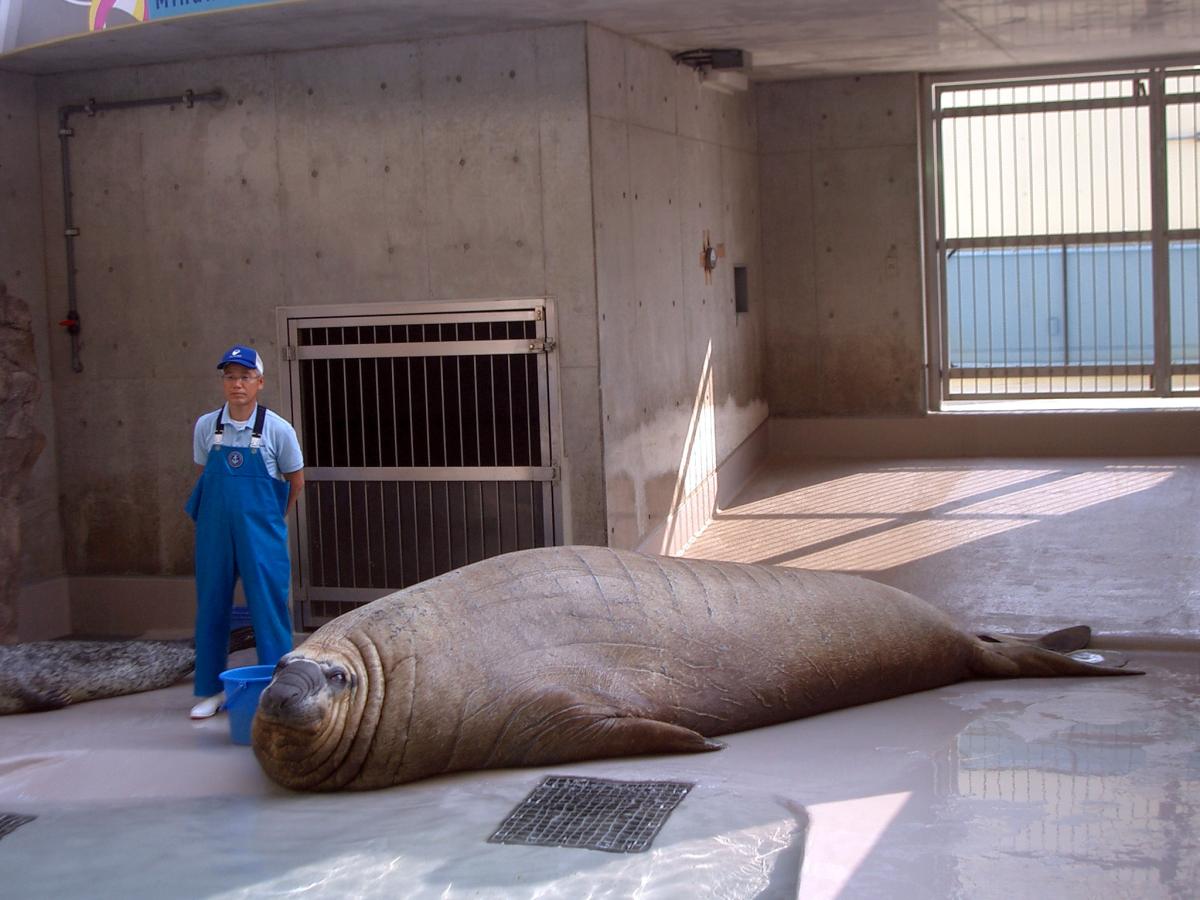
[1148, 432]
[109, 606]
[695, 511]
[127, 606]
[44, 610]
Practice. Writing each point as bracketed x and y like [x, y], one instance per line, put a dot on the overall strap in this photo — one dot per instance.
[259, 420]
[220, 427]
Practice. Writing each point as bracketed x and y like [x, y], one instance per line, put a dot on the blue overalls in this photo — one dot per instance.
[239, 511]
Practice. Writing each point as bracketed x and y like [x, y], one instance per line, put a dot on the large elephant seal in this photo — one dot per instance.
[568, 653]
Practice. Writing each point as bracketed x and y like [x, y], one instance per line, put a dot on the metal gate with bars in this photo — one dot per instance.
[428, 438]
[1064, 215]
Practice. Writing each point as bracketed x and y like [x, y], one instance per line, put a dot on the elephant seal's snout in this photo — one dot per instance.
[291, 691]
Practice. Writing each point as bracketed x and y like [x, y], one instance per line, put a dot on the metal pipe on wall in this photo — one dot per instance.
[188, 98]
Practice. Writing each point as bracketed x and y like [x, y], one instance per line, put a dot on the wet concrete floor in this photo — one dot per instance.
[1073, 788]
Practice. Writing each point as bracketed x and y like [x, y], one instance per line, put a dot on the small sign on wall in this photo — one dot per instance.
[27, 22]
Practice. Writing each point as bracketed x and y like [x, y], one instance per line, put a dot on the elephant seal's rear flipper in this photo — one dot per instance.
[1008, 658]
[1065, 640]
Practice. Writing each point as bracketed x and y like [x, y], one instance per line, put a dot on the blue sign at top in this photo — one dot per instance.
[161, 9]
[24, 23]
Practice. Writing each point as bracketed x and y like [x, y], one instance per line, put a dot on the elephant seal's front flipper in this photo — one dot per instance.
[635, 736]
[561, 725]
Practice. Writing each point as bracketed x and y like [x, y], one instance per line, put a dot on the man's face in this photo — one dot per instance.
[241, 384]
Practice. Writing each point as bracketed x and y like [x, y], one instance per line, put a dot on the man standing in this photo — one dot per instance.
[251, 475]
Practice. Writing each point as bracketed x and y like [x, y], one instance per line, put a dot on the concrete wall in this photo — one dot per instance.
[42, 605]
[433, 170]
[682, 374]
[839, 170]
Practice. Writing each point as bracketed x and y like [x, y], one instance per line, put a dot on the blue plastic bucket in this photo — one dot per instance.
[242, 689]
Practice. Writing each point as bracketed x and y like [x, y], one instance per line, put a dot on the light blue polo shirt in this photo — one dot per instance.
[280, 449]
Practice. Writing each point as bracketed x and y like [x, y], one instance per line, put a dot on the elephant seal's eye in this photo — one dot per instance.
[337, 677]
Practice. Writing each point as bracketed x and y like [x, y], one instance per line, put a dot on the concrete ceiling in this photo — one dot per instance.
[788, 38]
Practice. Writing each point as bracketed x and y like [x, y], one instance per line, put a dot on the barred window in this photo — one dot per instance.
[1066, 235]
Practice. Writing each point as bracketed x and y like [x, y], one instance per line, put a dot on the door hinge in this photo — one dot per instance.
[541, 345]
[289, 352]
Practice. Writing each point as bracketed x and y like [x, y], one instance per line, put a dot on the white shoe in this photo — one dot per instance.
[209, 706]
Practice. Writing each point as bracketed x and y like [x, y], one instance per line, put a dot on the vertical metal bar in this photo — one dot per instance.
[1089, 118]
[1181, 222]
[1173, 111]
[971, 142]
[458, 377]
[1113, 290]
[495, 424]
[425, 403]
[346, 405]
[1124, 226]
[1193, 220]
[543, 329]
[1080, 212]
[377, 362]
[499, 518]
[431, 534]
[362, 414]
[442, 401]
[933, 188]
[1016, 254]
[412, 439]
[943, 257]
[1004, 230]
[296, 406]
[1033, 272]
[1066, 284]
[383, 538]
[400, 537]
[392, 363]
[512, 425]
[1159, 250]
[530, 424]
[478, 411]
[337, 551]
[987, 259]
[1062, 228]
[1137, 182]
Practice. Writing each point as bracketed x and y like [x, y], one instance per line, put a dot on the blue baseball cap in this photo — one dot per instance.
[242, 355]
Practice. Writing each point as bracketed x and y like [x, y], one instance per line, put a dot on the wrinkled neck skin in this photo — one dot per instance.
[324, 744]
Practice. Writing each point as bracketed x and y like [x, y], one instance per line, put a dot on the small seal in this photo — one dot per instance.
[559, 654]
[44, 675]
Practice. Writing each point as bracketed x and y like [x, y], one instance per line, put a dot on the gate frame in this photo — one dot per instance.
[288, 316]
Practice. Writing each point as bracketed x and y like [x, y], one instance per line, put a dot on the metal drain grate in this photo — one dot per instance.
[10, 822]
[592, 813]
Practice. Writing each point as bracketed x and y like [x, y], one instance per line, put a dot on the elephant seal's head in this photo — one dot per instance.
[307, 727]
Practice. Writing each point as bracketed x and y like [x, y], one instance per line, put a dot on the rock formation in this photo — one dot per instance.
[20, 444]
